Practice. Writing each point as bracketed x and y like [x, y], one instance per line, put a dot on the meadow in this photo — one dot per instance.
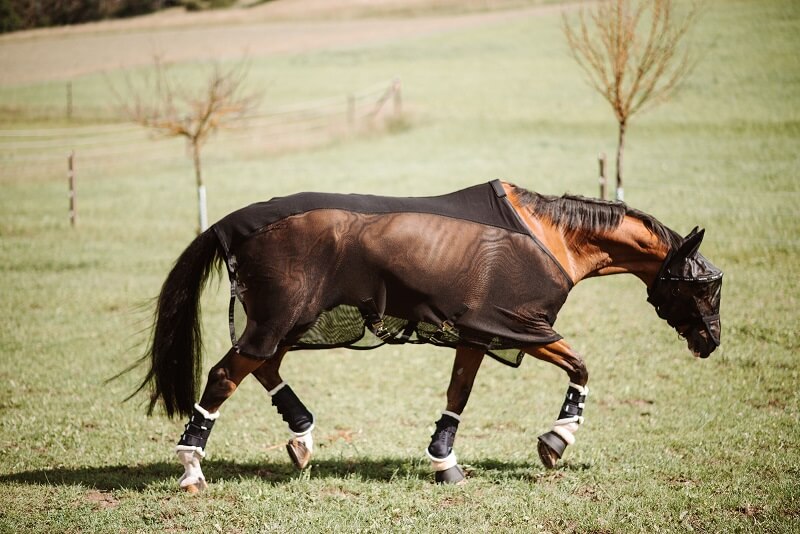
[670, 443]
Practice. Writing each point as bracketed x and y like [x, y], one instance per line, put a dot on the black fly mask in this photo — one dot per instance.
[687, 293]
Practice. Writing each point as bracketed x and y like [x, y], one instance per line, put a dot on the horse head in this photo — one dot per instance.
[687, 293]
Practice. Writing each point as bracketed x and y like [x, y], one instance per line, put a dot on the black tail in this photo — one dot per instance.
[175, 350]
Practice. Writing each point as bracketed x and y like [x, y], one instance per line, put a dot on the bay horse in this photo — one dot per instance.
[484, 270]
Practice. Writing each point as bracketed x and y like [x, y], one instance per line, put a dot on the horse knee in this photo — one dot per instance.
[576, 369]
[580, 375]
[218, 387]
[225, 377]
[217, 375]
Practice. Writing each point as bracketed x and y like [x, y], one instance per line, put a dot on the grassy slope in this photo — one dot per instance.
[670, 443]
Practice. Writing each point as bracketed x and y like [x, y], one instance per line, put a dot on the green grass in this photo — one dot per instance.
[670, 443]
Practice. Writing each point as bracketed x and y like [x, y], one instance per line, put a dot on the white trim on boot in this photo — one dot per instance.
[442, 464]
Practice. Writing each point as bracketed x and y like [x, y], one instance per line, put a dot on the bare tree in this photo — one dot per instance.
[173, 110]
[633, 67]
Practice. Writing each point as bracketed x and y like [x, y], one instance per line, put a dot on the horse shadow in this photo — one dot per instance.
[382, 470]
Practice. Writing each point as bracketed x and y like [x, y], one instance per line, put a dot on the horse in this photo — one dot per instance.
[483, 270]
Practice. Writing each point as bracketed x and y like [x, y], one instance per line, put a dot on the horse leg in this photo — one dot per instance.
[291, 408]
[223, 379]
[440, 450]
[552, 444]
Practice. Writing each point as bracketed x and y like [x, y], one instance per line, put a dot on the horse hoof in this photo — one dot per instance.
[195, 488]
[453, 475]
[299, 453]
[547, 456]
[551, 447]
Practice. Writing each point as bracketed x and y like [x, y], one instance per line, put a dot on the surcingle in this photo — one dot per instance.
[364, 270]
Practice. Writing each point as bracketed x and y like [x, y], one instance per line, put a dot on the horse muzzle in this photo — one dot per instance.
[703, 341]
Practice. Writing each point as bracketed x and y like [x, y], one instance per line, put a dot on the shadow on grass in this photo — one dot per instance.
[139, 477]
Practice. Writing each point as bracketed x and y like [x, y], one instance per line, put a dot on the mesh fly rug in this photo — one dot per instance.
[361, 271]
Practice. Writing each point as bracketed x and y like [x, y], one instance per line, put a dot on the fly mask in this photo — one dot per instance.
[687, 293]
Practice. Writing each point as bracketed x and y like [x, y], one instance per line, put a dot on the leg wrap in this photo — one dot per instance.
[292, 410]
[195, 434]
[440, 451]
[563, 433]
[574, 401]
[444, 436]
[191, 447]
[571, 414]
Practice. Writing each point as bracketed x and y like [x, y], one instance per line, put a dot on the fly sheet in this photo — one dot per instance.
[319, 270]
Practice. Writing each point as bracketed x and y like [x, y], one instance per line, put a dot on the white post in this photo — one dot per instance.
[201, 204]
[601, 158]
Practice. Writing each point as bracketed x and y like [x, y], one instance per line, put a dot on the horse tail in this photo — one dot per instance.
[175, 351]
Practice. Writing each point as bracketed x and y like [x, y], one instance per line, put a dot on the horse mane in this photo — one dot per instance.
[579, 216]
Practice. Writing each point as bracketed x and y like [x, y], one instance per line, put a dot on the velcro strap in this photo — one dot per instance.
[573, 403]
[197, 430]
[192, 440]
[407, 332]
[498, 188]
[373, 320]
[568, 410]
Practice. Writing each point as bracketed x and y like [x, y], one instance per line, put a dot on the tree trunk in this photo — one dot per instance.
[201, 188]
[620, 150]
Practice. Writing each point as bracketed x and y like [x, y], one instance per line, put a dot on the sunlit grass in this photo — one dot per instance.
[670, 444]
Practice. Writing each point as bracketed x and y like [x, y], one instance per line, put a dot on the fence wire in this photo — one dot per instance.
[331, 115]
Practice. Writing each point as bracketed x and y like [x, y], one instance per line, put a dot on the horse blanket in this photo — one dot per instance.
[360, 271]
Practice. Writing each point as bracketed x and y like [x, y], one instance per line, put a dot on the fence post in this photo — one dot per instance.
[601, 159]
[73, 207]
[397, 97]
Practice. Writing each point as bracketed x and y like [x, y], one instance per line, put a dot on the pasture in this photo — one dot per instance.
[670, 443]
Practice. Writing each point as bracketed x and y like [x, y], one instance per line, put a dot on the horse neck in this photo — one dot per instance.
[629, 248]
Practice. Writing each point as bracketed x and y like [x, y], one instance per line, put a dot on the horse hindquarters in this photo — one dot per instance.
[274, 287]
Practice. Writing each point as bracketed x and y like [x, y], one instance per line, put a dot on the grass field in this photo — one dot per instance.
[670, 443]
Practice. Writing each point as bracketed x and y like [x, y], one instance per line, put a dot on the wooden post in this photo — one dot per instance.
[397, 97]
[601, 159]
[351, 111]
[69, 101]
[73, 207]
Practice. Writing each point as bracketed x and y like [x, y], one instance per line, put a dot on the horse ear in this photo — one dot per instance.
[691, 243]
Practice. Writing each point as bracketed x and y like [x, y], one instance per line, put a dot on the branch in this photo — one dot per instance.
[172, 110]
[631, 71]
